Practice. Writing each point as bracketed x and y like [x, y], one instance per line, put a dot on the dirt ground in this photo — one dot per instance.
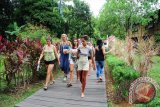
[116, 102]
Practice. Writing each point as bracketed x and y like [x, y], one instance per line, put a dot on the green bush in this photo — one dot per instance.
[157, 37]
[43, 40]
[33, 32]
[122, 74]
[114, 61]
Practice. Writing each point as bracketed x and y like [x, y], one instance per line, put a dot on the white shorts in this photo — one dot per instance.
[71, 61]
[83, 64]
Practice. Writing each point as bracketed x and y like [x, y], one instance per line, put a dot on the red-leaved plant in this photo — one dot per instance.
[19, 54]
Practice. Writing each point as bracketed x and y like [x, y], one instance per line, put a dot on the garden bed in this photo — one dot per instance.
[117, 71]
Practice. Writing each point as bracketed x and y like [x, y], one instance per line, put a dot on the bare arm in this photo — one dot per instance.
[93, 61]
[70, 44]
[94, 51]
[41, 56]
[109, 50]
[56, 54]
[103, 50]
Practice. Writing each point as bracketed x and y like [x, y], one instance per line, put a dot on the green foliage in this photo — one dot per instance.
[43, 40]
[6, 14]
[14, 30]
[157, 37]
[79, 19]
[114, 61]
[119, 16]
[122, 74]
[56, 40]
[154, 73]
[33, 32]
[76, 20]
[10, 99]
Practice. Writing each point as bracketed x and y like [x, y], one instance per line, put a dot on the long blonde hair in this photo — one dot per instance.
[65, 36]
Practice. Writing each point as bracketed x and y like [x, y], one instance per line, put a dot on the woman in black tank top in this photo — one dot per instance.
[99, 57]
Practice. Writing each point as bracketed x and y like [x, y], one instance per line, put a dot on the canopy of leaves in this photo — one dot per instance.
[118, 16]
[75, 21]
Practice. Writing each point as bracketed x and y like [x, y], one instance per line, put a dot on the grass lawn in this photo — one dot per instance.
[10, 99]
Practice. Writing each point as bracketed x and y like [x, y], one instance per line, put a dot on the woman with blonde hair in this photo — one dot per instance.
[50, 53]
[65, 47]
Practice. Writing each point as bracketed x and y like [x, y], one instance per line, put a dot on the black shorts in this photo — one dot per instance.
[49, 62]
[89, 58]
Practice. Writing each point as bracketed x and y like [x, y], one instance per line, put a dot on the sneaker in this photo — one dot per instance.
[45, 88]
[69, 85]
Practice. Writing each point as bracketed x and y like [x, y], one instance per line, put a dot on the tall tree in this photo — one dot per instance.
[80, 21]
[41, 12]
[119, 16]
[6, 13]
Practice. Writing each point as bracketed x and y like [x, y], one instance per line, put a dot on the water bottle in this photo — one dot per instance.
[38, 66]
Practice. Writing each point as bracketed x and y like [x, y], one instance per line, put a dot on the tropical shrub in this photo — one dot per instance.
[33, 32]
[122, 75]
[157, 37]
[14, 30]
[20, 61]
[114, 61]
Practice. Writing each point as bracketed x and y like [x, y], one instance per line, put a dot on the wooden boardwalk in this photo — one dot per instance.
[58, 95]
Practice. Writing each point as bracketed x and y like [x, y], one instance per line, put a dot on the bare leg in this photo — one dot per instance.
[52, 78]
[78, 77]
[71, 72]
[84, 78]
[49, 71]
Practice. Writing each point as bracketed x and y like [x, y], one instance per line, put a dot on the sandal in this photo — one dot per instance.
[45, 88]
[69, 85]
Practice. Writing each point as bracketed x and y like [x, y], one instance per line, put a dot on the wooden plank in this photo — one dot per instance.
[48, 101]
[58, 95]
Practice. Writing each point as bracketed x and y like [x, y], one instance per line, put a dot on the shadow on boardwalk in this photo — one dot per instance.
[58, 95]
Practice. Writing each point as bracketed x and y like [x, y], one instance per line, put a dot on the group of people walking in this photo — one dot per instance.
[79, 55]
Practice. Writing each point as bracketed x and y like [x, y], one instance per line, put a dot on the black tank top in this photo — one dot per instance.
[99, 56]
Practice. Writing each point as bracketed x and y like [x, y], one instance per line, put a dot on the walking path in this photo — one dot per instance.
[58, 95]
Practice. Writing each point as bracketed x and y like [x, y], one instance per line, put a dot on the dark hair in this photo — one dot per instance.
[49, 38]
[85, 37]
[99, 43]
[73, 45]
